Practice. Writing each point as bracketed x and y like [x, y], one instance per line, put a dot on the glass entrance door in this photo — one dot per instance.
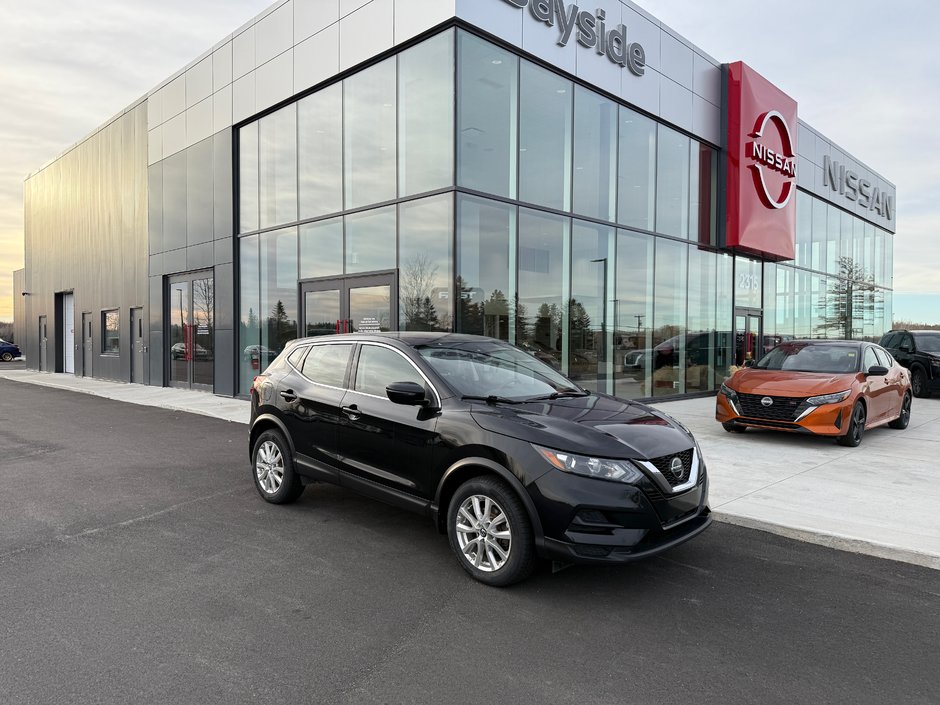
[362, 304]
[747, 325]
[191, 331]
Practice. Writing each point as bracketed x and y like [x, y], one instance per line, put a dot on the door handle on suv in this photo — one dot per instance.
[352, 412]
[288, 395]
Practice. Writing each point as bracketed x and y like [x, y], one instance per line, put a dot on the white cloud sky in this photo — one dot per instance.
[864, 74]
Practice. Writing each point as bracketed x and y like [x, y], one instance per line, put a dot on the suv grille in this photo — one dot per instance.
[664, 465]
[783, 408]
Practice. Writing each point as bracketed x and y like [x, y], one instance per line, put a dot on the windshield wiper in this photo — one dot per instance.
[491, 399]
[560, 395]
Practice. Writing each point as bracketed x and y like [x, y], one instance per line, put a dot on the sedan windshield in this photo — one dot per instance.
[811, 357]
[488, 369]
[928, 342]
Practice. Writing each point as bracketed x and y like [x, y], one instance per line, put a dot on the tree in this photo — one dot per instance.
[416, 285]
[851, 292]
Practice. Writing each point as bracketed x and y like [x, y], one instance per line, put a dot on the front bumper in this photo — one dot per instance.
[826, 420]
[585, 520]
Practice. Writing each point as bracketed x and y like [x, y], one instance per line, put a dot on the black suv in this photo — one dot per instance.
[508, 457]
[919, 351]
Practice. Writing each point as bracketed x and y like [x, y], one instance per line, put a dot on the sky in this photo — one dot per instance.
[864, 73]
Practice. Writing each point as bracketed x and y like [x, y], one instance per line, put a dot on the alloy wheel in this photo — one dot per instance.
[858, 427]
[483, 533]
[269, 467]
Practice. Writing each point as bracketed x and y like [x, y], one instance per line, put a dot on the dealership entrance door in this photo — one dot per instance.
[365, 303]
[190, 336]
[747, 326]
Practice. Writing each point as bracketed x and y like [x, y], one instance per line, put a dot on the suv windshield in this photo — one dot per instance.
[490, 369]
[811, 357]
[928, 342]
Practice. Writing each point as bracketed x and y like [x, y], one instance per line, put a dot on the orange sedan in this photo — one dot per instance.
[826, 387]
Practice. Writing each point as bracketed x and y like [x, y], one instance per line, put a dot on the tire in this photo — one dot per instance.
[853, 436]
[732, 427]
[273, 469]
[509, 554]
[919, 383]
[904, 419]
[7, 357]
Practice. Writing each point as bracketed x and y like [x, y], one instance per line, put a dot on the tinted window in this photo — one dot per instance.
[326, 364]
[884, 358]
[297, 357]
[870, 359]
[379, 367]
[906, 341]
[928, 342]
[890, 340]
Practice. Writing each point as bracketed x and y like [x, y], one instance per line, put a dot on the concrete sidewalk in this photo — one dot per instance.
[881, 499]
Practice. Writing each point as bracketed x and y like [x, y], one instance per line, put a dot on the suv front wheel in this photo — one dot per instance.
[490, 532]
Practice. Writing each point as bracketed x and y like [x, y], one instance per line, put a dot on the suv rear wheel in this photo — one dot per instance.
[273, 469]
[490, 532]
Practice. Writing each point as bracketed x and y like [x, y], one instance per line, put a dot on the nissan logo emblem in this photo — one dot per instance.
[767, 401]
[676, 467]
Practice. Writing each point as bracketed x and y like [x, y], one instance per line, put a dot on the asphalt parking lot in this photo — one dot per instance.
[138, 565]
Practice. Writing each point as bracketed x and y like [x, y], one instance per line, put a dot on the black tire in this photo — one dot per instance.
[919, 383]
[7, 357]
[732, 427]
[853, 436]
[265, 478]
[520, 558]
[904, 419]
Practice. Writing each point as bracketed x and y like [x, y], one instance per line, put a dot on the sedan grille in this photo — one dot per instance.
[782, 409]
[664, 465]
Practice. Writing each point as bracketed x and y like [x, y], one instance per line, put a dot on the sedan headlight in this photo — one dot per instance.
[829, 398]
[601, 468]
[728, 392]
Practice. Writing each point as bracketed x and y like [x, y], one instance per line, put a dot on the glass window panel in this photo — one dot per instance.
[590, 315]
[803, 305]
[320, 152]
[278, 290]
[747, 283]
[370, 240]
[545, 106]
[426, 115]
[634, 314]
[370, 309]
[879, 254]
[637, 171]
[485, 233]
[595, 155]
[669, 318]
[704, 352]
[724, 314]
[369, 135]
[539, 314]
[277, 134]
[248, 178]
[703, 193]
[804, 229]
[487, 116]
[380, 367]
[203, 355]
[249, 315]
[833, 239]
[180, 332]
[819, 251]
[111, 332]
[321, 249]
[672, 183]
[426, 235]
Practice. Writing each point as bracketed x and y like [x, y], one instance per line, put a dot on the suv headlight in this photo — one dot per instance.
[601, 468]
[829, 398]
[935, 361]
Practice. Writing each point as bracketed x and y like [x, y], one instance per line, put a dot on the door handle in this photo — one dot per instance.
[288, 395]
[352, 412]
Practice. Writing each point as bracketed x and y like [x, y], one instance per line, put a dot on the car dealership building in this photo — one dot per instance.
[580, 181]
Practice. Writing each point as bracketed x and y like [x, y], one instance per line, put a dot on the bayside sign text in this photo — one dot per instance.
[592, 31]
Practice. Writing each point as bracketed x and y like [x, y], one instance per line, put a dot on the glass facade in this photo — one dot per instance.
[510, 201]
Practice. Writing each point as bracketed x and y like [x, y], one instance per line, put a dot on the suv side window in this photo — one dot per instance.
[296, 357]
[870, 359]
[326, 364]
[379, 367]
[907, 340]
[890, 340]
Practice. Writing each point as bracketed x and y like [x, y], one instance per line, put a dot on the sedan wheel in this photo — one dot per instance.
[856, 429]
[6, 357]
[274, 474]
[904, 418]
[490, 532]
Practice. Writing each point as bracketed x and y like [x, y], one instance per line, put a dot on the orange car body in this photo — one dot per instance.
[777, 399]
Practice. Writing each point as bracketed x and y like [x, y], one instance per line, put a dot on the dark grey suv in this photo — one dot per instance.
[918, 351]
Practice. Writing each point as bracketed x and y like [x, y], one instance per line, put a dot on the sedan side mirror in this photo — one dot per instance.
[407, 393]
[877, 371]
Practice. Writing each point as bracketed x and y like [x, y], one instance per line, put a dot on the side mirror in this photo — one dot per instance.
[905, 348]
[877, 371]
[407, 393]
